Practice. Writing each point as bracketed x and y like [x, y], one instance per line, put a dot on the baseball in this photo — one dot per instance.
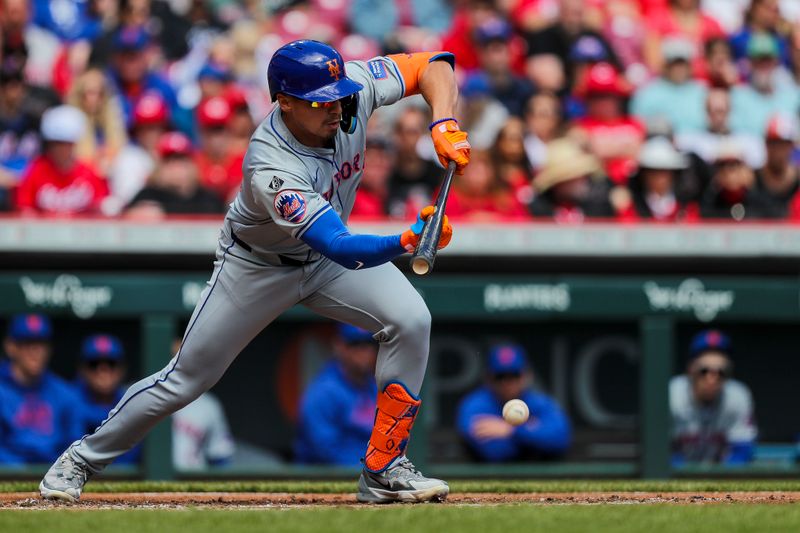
[515, 412]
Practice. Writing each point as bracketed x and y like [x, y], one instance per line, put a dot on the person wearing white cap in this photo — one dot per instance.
[675, 95]
[778, 181]
[56, 182]
[653, 189]
[731, 194]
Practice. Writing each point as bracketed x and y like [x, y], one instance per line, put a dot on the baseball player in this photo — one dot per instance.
[285, 242]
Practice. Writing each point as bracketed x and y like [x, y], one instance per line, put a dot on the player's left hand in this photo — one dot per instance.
[489, 427]
[410, 237]
[451, 144]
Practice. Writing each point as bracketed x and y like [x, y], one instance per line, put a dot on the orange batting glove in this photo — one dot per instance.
[451, 143]
[410, 237]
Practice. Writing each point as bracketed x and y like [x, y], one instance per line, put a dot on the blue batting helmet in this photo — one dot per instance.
[309, 70]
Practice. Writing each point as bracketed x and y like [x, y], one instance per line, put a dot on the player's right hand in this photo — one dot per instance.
[451, 144]
[410, 237]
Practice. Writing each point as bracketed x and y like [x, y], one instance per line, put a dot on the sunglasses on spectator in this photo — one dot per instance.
[703, 371]
[97, 363]
[503, 376]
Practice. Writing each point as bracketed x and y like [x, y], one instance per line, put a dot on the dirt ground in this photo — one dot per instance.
[221, 500]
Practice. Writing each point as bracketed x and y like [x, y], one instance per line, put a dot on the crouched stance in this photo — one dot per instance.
[285, 242]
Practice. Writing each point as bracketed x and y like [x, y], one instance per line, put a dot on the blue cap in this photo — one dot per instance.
[476, 85]
[708, 341]
[494, 29]
[353, 335]
[507, 359]
[30, 327]
[214, 72]
[97, 347]
[131, 38]
[588, 49]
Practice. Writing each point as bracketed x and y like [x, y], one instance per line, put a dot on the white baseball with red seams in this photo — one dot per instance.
[515, 412]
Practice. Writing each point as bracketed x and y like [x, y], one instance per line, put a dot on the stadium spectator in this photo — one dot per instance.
[706, 143]
[767, 92]
[721, 70]
[622, 24]
[374, 188]
[57, 183]
[611, 135]
[105, 134]
[712, 413]
[565, 40]
[762, 17]
[568, 188]
[137, 159]
[679, 18]
[174, 188]
[461, 39]
[778, 182]
[543, 125]
[38, 412]
[482, 195]
[219, 164]
[731, 194]
[413, 180]
[201, 435]
[133, 77]
[99, 384]
[338, 406]
[674, 95]
[240, 125]
[479, 112]
[653, 187]
[587, 51]
[212, 80]
[510, 161]
[27, 44]
[546, 434]
[495, 60]
[382, 20]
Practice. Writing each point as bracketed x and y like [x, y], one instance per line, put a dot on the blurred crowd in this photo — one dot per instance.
[624, 109]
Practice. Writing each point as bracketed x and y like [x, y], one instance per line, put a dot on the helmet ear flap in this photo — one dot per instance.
[349, 120]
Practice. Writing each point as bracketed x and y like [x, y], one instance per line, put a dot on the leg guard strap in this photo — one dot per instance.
[394, 417]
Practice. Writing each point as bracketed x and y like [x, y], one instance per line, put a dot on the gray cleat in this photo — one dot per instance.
[65, 479]
[401, 482]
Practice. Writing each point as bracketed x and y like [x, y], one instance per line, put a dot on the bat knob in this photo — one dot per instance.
[420, 266]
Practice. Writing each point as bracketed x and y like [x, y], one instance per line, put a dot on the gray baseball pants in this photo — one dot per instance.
[242, 297]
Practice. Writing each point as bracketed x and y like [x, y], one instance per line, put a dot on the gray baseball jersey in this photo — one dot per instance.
[704, 432]
[286, 187]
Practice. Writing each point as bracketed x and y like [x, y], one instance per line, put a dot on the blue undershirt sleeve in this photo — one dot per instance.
[328, 236]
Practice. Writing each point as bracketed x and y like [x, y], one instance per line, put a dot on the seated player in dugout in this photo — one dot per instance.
[712, 413]
[338, 406]
[285, 242]
[99, 384]
[546, 435]
[38, 414]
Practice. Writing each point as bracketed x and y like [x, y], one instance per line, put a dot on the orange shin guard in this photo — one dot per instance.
[394, 417]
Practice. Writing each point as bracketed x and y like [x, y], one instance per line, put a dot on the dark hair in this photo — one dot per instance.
[712, 43]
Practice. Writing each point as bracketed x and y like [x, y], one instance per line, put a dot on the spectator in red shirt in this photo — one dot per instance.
[220, 166]
[571, 186]
[612, 136]
[681, 18]
[56, 182]
[480, 195]
[510, 161]
[374, 188]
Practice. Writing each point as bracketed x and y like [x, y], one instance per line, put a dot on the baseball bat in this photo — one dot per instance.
[425, 254]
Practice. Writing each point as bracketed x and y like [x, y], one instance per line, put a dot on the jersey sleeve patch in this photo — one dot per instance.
[276, 183]
[378, 70]
[290, 205]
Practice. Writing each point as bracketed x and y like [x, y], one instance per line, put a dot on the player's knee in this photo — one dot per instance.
[416, 324]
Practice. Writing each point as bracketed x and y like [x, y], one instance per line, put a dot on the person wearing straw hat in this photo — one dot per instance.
[571, 186]
[653, 187]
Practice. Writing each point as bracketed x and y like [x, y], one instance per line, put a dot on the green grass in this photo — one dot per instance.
[727, 518]
[456, 486]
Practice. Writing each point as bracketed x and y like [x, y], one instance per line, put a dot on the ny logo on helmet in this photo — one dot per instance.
[333, 69]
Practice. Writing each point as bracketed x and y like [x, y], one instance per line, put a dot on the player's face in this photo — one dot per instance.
[312, 125]
[29, 359]
[103, 376]
[509, 386]
[708, 374]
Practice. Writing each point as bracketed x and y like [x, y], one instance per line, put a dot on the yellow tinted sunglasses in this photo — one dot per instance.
[324, 105]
